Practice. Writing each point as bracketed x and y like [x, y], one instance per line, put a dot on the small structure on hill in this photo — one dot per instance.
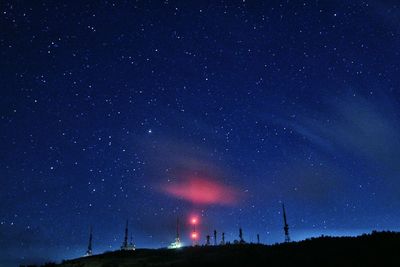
[223, 239]
[125, 245]
[177, 243]
[207, 240]
[241, 240]
[89, 251]
[285, 225]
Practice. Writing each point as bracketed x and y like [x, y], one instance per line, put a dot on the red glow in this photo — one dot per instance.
[203, 191]
[194, 220]
[194, 235]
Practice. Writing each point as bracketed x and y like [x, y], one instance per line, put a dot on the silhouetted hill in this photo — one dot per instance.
[376, 249]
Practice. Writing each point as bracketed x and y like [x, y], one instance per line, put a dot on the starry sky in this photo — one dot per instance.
[149, 110]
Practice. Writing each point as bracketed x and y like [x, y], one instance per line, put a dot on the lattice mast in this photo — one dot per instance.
[89, 251]
[125, 243]
[285, 225]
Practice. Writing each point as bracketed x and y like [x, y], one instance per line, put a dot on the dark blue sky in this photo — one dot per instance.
[110, 110]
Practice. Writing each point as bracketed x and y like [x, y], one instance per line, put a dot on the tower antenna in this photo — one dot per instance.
[285, 225]
[241, 240]
[89, 251]
[125, 243]
[177, 228]
[177, 243]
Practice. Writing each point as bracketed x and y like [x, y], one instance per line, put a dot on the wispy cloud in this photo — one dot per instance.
[366, 128]
[343, 152]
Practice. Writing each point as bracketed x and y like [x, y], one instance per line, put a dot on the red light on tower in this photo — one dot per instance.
[194, 236]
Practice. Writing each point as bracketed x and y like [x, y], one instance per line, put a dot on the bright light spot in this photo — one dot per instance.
[175, 245]
[194, 235]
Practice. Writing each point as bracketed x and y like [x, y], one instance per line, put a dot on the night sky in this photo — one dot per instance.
[150, 110]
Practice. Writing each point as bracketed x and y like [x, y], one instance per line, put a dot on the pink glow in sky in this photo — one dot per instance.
[203, 191]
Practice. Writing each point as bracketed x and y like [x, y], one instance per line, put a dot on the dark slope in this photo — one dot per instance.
[377, 249]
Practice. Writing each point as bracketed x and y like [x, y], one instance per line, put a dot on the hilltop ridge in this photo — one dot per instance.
[375, 249]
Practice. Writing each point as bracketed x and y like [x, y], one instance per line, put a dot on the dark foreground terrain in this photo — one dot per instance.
[376, 249]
